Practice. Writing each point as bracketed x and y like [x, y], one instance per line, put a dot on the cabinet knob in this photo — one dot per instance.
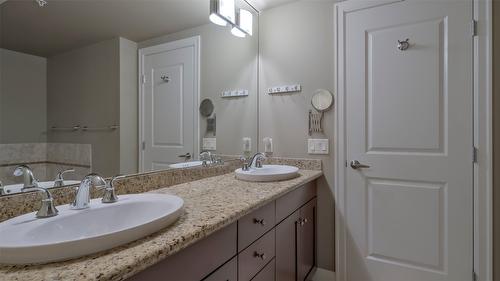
[261, 256]
[259, 221]
[302, 221]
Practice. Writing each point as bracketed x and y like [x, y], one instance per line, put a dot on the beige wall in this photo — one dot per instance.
[83, 89]
[23, 93]
[296, 46]
[496, 137]
[227, 63]
[128, 108]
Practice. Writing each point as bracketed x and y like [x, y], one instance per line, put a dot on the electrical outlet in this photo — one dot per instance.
[318, 146]
[209, 144]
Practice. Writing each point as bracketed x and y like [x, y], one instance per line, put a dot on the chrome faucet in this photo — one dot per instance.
[206, 156]
[254, 161]
[59, 180]
[2, 190]
[27, 173]
[47, 208]
[82, 197]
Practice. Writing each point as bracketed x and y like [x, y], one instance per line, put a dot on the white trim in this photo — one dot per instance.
[320, 274]
[483, 140]
[194, 41]
[483, 136]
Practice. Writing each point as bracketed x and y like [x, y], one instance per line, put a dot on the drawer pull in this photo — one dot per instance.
[261, 256]
[259, 221]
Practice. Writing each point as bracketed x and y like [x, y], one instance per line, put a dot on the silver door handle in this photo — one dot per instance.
[356, 165]
[186, 156]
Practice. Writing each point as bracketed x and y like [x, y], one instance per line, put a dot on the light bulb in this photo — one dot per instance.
[237, 32]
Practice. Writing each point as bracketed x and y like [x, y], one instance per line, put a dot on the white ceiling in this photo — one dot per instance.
[64, 25]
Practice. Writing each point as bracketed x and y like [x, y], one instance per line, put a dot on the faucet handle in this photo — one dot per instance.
[244, 163]
[47, 209]
[59, 180]
[109, 191]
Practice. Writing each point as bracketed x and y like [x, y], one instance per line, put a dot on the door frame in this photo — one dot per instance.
[195, 42]
[483, 137]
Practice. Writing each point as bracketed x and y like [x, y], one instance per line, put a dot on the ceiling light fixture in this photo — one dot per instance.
[222, 12]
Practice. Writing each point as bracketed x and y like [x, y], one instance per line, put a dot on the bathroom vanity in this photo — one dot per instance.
[276, 240]
[230, 230]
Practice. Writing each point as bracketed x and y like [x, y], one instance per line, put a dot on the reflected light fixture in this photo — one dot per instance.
[41, 3]
[236, 30]
[222, 12]
[244, 24]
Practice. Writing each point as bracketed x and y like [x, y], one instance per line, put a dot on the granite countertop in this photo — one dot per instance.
[210, 204]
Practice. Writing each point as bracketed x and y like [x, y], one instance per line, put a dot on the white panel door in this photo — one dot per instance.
[168, 104]
[408, 116]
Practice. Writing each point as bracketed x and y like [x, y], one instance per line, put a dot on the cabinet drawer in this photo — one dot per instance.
[255, 224]
[256, 256]
[228, 272]
[196, 261]
[268, 273]
[290, 202]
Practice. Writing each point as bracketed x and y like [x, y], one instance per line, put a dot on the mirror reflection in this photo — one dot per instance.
[121, 87]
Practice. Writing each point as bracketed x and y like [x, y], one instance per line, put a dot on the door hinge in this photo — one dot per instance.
[143, 145]
[474, 276]
[475, 152]
[473, 28]
[143, 79]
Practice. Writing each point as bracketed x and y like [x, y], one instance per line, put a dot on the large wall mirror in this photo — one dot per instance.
[121, 87]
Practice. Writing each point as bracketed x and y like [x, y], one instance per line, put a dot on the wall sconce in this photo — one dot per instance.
[222, 12]
[244, 23]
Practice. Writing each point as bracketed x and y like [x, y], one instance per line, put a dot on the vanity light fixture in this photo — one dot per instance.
[222, 12]
[244, 23]
[236, 29]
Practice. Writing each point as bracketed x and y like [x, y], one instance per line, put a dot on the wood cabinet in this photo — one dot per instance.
[286, 248]
[275, 242]
[296, 244]
[306, 242]
[228, 272]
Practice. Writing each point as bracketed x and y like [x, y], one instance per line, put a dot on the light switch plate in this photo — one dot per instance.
[209, 144]
[318, 146]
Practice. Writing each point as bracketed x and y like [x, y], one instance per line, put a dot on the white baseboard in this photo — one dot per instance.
[320, 274]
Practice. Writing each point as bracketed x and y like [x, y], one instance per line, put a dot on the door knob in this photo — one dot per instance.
[355, 164]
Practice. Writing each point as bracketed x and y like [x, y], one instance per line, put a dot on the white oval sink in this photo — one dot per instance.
[268, 173]
[189, 164]
[16, 188]
[75, 233]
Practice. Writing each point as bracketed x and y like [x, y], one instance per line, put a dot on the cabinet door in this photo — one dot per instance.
[306, 242]
[286, 250]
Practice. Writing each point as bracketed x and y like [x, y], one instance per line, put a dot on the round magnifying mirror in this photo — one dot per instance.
[322, 100]
[206, 107]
